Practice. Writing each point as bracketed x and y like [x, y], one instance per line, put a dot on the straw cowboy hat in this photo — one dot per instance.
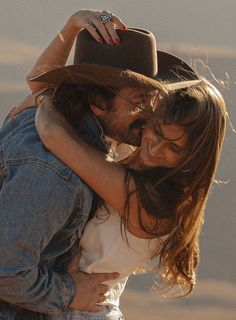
[134, 62]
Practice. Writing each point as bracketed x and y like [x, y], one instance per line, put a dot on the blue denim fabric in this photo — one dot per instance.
[43, 205]
[109, 313]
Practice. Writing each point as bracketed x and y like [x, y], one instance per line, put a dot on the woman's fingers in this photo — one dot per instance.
[112, 32]
[94, 32]
[118, 22]
[42, 99]
[28, 102]
[108, 31]
[102, 31]
[101, 28]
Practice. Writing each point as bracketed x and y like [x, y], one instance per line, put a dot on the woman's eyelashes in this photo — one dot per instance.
[175, 148]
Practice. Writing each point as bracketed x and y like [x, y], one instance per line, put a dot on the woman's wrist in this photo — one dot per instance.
[72, 25]
[50, 124]
[50, 133]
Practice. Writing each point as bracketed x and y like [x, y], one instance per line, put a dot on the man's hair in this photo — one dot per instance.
[73, 101]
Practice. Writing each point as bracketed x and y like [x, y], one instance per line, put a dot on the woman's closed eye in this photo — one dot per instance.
[175, 148]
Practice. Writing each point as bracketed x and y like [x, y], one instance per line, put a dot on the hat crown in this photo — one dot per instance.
[134, 62]
[137, 51]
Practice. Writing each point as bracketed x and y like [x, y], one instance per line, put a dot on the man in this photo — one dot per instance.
[43, 205]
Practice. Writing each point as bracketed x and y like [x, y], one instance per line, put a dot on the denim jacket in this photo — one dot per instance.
[43, 208]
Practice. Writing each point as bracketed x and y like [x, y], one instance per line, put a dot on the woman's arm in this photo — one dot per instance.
[56, 54]
[105, 178]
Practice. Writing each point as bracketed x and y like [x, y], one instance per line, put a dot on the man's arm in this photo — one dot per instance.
[34, 205]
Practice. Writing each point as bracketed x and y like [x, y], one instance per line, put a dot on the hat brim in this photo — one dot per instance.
[95, 74]
[107, 76]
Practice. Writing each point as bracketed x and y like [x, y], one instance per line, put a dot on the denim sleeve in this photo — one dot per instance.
[34, 205]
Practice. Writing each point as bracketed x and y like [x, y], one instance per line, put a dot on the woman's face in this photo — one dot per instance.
[163, 145]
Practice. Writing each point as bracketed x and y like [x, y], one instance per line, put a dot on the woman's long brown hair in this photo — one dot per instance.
[175, 197]
[179, 195]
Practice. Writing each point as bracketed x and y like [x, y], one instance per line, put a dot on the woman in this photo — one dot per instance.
[153, 202]
[159, 192]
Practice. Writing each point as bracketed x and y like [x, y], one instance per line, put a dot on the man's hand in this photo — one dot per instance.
[89, 289]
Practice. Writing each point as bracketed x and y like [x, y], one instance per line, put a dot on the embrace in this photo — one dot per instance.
[105, 172]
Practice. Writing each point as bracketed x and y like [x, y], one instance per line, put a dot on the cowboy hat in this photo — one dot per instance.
[135, 61]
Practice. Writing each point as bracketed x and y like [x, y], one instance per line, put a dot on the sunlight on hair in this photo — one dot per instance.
[220, 182]
[207, 73]
[182, 74]
[230, 123]
[174, 291]
[137, 110]
[150, 101]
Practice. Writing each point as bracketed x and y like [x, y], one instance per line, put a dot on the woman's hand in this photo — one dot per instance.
[28, 102]
[57, 53]
[90, 19]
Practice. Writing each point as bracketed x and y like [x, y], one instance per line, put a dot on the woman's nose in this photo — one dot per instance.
[156, 146]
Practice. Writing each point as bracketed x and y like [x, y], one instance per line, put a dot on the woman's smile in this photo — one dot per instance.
[162, 149]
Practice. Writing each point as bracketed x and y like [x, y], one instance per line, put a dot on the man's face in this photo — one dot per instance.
[124, 122]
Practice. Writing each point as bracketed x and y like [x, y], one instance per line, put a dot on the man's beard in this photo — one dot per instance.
[131, 135]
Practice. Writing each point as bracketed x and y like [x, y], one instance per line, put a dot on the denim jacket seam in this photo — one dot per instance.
[1, 156]
[21, 161]
[78, 203]
[12, 124]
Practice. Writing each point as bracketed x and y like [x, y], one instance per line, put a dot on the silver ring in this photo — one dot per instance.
[105, 17]
[101, 298]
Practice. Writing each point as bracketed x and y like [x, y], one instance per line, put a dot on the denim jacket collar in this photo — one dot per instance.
[95, 130]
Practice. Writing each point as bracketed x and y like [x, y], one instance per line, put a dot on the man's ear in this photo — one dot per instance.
[97, 110]
[98, 105]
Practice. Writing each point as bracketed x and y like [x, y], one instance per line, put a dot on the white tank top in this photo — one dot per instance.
[105, 250]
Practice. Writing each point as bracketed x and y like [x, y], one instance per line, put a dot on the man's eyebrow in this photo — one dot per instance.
[133, 91]
[135, 94]
[139, 96]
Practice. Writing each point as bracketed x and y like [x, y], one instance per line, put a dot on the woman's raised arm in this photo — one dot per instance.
[107, 179]
[56, 54]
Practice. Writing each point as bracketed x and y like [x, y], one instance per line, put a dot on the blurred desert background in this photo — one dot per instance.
[202, 32]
